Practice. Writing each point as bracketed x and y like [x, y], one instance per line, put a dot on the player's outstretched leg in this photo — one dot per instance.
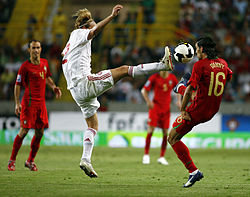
[182, 82]
[87, 168]
[193, 177]
[147, 69]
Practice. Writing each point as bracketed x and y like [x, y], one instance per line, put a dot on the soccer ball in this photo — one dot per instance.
[183, 52]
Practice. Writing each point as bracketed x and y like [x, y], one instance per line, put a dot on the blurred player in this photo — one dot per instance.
[209, 77]
[159, 109]
[85, 86]
[33, 76]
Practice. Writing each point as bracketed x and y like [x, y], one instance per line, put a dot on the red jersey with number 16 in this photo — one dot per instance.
[209, 77]
[33, 78]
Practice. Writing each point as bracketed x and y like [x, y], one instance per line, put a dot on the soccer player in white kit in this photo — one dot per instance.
[84, 86]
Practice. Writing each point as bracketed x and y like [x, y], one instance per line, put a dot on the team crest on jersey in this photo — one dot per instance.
[170, 82]
[45, 69]
[24, 122]
[18, 79]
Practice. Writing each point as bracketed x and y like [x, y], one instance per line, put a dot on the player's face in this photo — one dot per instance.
[198, 51]
[35, 49]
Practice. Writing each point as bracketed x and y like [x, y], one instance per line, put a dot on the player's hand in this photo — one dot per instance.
[193, 95]
[116, 10]
[58, 92]
[18, 109]
[185, 115]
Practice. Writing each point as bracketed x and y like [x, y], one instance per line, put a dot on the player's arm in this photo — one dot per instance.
[53, 86]
[99, 26]
[187, 96]
[178, 102]
[144, 93]
[18, 106]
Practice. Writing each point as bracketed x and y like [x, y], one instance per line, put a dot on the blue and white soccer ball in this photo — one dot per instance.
[183, 52]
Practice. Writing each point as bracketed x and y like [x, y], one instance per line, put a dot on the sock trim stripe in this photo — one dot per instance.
[93, 131]
[130, 70]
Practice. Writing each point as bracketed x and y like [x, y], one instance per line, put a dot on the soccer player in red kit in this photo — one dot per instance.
[162, 84]
[33, 76]
[209, 77]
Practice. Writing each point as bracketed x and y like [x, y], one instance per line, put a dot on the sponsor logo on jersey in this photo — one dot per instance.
[18, 79]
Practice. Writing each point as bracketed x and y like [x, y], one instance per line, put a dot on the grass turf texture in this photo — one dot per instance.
[121, 173]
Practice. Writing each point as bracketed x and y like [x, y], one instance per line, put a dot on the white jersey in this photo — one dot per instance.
[77, 57]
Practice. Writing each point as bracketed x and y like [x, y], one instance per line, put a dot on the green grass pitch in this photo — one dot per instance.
[121, 173]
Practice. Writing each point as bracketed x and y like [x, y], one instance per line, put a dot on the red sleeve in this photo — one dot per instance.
[21, 75]
[150, 83]
[195, 77]
[48, 74]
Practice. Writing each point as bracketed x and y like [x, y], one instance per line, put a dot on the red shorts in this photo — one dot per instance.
[158, 119]
[34, 117]
[183, 126]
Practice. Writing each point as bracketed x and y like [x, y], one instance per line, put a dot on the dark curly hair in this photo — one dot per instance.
[33, 40]
[209, 47]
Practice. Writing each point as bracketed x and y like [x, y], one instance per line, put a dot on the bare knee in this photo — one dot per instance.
[174, 137]
[23, 132]
[39, 133]
[151, 130]
[165, 132]
[170, 140]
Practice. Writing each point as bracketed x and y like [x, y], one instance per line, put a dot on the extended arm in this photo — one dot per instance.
[99, 26]
[144, 93]
[53, 86]
[178, 102]
[187, 96]
[18, 106]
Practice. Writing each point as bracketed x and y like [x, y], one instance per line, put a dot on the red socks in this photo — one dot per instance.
[183, 154]
[16, 146]
[147, 145]
[163, 146]
[35, 144]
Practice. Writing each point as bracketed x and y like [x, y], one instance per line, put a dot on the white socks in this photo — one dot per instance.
[194, 172]
[88, 143]
[146, 69]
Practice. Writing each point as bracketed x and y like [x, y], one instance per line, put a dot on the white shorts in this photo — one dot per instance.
[89, 88]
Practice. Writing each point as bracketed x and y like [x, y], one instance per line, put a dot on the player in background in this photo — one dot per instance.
[209, 77]
[84, 86]
[33, 75]
[162, 84]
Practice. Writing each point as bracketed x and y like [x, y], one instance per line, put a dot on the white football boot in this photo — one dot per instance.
[162, 161]
[146, 159]
[167, 59]
[88, 169]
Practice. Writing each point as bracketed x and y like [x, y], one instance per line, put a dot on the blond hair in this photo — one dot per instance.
[83, 17]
